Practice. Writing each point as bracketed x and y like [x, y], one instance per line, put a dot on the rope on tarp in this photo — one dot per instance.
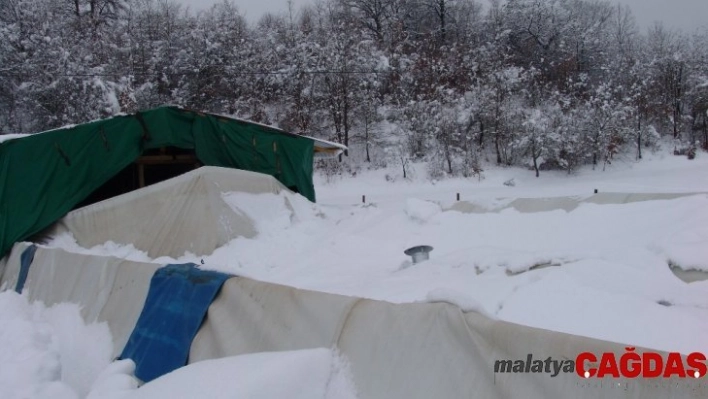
[146, 132]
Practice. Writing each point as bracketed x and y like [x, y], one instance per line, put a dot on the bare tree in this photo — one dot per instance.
[373, 15]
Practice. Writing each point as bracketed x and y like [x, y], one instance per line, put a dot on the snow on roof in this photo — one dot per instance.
[11, 136]
[323, 148]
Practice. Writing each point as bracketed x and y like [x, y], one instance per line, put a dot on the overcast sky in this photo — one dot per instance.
[687, 15]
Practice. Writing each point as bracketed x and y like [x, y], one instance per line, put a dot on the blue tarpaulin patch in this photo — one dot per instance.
[25, 261]
[177, 301]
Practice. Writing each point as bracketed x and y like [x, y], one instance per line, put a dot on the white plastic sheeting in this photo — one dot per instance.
[530, 205]
[108, 289]
[183, 214]
[418, 350]
[286, 318]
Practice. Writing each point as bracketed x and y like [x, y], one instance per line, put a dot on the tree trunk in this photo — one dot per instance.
[596, 145]
[535, 161]
[345, 120]
[379, 31]
[366, 137]
[481, 133]
[639, 135]
[496, 127]
[677, 102]
[442, 20]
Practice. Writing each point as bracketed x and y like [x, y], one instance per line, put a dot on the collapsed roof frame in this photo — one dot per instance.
[44, 176]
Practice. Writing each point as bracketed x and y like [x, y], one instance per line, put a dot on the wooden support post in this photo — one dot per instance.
[141, 175]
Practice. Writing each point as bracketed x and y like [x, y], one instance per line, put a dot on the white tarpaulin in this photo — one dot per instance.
[418, 350]
[183, 214]
[108, 289]
[529, 205]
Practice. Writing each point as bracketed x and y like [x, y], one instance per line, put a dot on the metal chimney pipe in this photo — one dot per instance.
[419, 253]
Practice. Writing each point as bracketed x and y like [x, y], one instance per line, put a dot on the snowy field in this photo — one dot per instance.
[600, 271]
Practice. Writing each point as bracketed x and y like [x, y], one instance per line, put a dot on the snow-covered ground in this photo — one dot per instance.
[50, 353]
[599, 270]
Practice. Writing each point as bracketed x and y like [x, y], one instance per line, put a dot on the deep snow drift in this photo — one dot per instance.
[599, 270]
[48, 352]
[304, 374]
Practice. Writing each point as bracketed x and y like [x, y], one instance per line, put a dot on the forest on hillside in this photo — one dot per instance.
[544, 84]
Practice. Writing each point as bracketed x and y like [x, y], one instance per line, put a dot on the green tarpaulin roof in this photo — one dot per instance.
[44, 176]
